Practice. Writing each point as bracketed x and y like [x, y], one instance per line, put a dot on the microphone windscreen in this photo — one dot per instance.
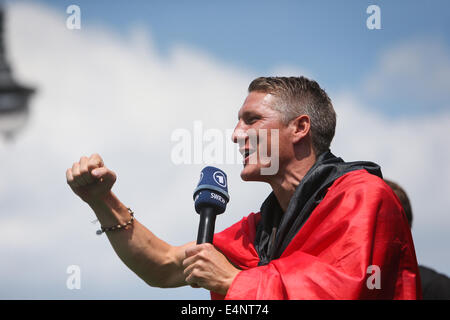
[212, 190]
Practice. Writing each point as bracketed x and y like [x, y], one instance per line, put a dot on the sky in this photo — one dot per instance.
[137, 71]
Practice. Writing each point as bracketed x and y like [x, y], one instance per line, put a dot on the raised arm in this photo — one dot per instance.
[153, 260]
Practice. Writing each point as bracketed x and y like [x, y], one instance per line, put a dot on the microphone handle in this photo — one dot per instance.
[206, 226]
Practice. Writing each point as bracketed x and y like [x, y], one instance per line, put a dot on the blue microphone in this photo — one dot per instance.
[211, 198]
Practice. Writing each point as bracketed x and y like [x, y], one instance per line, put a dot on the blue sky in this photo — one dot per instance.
[327, 38]
[194, 60]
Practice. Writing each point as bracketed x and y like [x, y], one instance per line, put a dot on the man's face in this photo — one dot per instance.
[263, 138]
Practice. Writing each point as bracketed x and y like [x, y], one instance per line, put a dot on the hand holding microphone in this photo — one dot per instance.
[204, 266]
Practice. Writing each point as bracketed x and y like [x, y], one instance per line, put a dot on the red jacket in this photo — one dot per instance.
[355, 245]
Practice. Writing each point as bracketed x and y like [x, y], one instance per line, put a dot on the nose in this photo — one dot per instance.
[239, 134]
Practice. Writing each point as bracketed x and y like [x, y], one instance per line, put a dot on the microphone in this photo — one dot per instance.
[211, 198]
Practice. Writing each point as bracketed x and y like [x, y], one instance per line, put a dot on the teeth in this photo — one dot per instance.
[247, 152]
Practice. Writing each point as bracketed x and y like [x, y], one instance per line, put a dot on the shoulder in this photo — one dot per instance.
[434, 284]
[429, 275]
[365, 194]
[360, 180]
[363, 184]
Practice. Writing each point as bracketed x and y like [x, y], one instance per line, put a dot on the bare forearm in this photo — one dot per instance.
[155, 261]
[152, 259]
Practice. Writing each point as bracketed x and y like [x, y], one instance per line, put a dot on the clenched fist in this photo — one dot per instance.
[90, 179]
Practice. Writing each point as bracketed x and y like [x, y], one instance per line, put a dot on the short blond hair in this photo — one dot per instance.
[296, 96]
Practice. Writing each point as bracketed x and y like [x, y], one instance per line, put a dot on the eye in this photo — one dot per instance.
[252, 119]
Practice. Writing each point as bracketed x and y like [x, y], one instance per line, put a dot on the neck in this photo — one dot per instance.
[285, 183]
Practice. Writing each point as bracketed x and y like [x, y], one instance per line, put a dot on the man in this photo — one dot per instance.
[435, 286]
[329, 229]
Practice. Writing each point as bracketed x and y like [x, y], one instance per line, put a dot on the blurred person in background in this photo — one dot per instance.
[435, 286]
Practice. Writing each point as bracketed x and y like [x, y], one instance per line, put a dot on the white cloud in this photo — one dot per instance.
[100, 92]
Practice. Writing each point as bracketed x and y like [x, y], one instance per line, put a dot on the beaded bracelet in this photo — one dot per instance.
[118, 226]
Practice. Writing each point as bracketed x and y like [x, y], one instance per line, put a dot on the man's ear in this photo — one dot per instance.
[300, 127]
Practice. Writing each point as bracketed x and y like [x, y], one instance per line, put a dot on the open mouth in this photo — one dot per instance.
[246, 153]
